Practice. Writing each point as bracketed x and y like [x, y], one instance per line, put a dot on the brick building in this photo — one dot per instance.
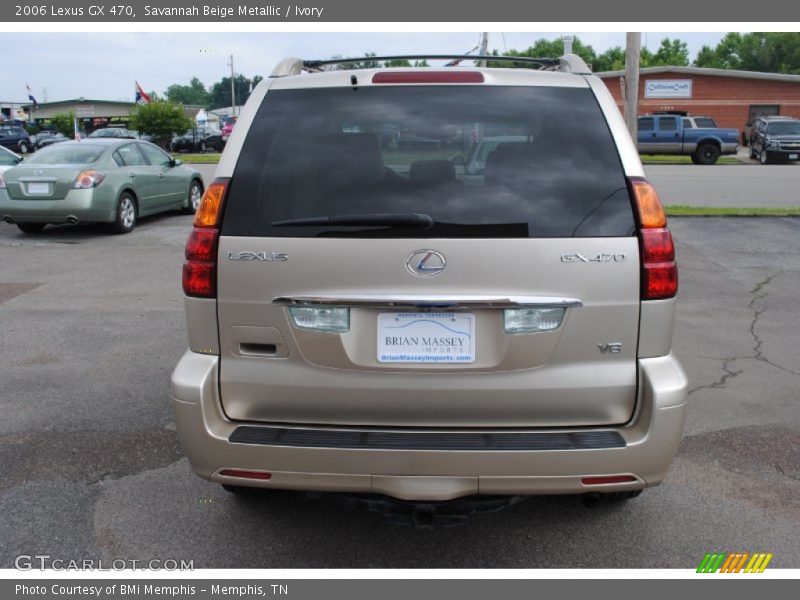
[732, 98]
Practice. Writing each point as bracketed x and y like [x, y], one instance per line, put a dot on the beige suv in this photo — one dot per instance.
[366, 314]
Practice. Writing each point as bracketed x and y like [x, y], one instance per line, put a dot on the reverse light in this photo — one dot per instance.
[200, 269]
[328, 319]
[88, 179]
[530, 320]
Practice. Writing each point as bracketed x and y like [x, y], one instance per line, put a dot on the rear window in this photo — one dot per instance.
[705, 122]
[481, 161]
[66, 154]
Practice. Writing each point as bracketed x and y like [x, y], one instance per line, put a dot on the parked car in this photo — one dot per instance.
[14, 137]
[8, 159]
[200, 139]
[44, 139]
[775, 139]
[388, 327]
[666, 134]
[112, 132]
[99, 180]
[227, 129]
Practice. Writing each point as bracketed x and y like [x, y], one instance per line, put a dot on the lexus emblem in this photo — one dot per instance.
[425, 263]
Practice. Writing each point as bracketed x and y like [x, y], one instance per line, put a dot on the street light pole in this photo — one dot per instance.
[633, 47]
[233, 90]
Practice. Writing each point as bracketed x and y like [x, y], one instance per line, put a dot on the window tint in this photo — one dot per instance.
[553, 170]
[6, 158]
[131, 156]
[646, 124]
[668, 124]
[687, 124]
[66, 153]
[705, 122]
[155, 156]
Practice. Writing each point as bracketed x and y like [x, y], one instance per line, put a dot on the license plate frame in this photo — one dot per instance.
[425, 338]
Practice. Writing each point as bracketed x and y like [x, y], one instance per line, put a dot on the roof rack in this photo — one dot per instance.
[569, 63]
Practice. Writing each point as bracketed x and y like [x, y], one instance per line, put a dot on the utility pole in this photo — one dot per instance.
[484, 49]
[568, 40]
[233, 90]
[633, 47]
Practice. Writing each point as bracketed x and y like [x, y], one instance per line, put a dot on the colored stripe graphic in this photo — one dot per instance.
[734, 562]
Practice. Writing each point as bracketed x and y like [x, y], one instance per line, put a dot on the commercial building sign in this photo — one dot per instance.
[668, 88]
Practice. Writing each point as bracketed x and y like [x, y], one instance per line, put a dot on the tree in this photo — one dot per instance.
[194, 94]
[771, 52]
[544, 48]
[674, 53]
[161, 119]
[612, 59]
[64, 123]
[221, 91]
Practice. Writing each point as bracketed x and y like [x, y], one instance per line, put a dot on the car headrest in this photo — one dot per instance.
[432, 171]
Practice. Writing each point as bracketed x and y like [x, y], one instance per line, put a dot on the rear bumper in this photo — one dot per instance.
[80, 205]
[729, 148]
[651, 441]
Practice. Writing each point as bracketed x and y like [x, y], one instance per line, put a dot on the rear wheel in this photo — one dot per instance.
[126, 214]
[707, 154]
[195, 197]
[31, 227]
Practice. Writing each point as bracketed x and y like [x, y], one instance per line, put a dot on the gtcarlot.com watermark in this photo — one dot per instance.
[42, 562]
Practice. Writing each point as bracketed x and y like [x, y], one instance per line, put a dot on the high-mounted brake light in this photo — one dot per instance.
[200, 268]
[659, 276]
[428, 77]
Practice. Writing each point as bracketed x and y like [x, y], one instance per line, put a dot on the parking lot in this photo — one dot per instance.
[93, 325]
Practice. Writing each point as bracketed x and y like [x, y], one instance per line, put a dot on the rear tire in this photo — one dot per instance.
[707, 154]
[195, 196]
[126, 216]
[31, 227]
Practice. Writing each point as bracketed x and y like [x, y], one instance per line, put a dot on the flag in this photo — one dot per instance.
[77, 129]
[30, 96]
[141, 96]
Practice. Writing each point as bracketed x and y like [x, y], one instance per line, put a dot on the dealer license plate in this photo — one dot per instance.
[426, 337]
[39, 188]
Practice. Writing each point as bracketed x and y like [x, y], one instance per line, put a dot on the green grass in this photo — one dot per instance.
[677, 159]
[682, 210]
[209, 158]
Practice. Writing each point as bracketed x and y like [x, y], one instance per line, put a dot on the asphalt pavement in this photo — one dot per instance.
[92, 325]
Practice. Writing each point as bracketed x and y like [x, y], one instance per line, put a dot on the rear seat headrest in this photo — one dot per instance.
[432, 171]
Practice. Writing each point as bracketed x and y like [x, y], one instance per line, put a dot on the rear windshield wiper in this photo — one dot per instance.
[370, 219]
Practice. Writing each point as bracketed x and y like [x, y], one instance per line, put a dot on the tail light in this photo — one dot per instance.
[659, 277]
[88, 179]
[200, 268]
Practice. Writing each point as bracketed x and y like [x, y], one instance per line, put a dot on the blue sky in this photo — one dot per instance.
[102, 66]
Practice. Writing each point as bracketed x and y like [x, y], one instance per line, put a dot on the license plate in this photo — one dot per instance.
[39, 188]
[793, 157]
[426, 337]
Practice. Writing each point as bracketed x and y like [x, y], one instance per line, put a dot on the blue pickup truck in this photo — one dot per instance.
[669, 134]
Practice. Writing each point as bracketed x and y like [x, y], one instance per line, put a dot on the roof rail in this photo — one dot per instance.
[569, 63]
